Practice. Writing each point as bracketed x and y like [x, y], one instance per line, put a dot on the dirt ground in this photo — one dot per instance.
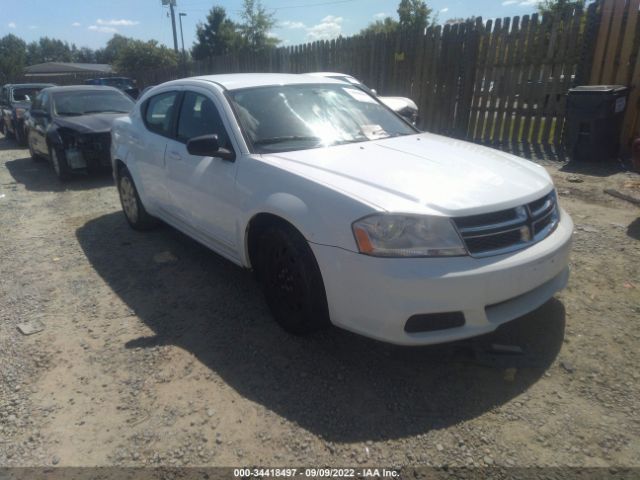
[156, 351]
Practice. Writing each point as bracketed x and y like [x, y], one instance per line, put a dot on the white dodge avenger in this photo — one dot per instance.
[346, 213]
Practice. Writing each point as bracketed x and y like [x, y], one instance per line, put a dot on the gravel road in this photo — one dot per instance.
[156, 351]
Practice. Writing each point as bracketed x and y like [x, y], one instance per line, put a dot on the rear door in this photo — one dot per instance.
[202, 189]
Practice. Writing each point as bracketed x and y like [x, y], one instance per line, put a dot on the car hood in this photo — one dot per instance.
[398, 103]
[94, 123]
[424, 173]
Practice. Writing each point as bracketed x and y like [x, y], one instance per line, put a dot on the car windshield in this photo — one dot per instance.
[26, 94]
[299, 117]
[87, 102]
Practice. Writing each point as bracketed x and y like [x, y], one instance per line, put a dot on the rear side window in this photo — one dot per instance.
[199, 116]
[158, 114]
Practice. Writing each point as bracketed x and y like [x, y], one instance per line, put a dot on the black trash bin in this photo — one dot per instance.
[595, 114]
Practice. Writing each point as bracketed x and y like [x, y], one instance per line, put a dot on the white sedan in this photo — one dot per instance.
[347, 214]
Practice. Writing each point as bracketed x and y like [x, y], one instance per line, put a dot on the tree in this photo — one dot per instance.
[217, 36]
[13, 57]
[256, 25]
[453, 21]
[387, 25]
[110, 52]
[137, 55]
[414, 14]
[84, 55]
[559, 7]
[48, 50]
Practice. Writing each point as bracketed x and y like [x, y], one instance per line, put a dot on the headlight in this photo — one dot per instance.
[392, 235]
[20, 112]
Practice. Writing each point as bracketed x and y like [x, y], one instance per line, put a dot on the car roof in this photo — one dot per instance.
[237, 81]
[29, 85]
[82, 88]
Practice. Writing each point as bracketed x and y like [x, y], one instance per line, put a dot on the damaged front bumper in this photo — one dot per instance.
[88, 151]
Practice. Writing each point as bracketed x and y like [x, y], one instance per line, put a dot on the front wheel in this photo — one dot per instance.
[292, 282]
[59, 162]
[133, 209]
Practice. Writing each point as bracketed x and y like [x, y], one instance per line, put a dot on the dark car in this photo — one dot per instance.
[126, 84]
[71, 127]
[15, 100]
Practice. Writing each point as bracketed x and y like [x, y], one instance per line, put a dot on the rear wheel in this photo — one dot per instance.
[291, 281]
[134, 211]
[59, 163]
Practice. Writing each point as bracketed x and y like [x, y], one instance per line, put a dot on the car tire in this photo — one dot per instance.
[5, 131]
[20, 137]
[59, 163]
[291, 281]
[132, 206]
[34, 155]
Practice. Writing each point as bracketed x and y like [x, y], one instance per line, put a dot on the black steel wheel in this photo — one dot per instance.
[291, 281]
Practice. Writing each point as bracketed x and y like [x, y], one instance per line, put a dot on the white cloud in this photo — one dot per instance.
[521, 3]
[102, 29]
[444, 10]
[117, 23]
[292, 25]
[12, 25]
[76, 24]
[33, 27]
[330, 27]
[380, 16]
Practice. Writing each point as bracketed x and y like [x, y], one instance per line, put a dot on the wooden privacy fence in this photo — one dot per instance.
[502, 82]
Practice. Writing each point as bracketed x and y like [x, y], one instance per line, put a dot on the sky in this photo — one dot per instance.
[92, 23]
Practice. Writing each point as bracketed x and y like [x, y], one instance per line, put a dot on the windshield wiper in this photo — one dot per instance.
[70, 114]
[288, 138]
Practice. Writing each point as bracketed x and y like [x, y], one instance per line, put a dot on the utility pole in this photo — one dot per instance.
[184, 55]
[172, 6]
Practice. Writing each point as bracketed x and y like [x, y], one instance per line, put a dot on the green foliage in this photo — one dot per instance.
[49, 50]
[387, 25]
[559, 7]
[220, 36]
[13, 57]
[137, 55]
[217, 36]
[414, 14]
[110, 52]
[256, 25]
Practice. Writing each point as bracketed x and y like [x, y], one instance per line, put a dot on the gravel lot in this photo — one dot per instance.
[158, 352]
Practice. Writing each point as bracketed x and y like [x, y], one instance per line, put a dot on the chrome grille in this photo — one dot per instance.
[509, 230]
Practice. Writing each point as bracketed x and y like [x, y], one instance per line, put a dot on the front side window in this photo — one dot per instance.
[68, 104]
[159, 113]
[199, 116]
[300, 117]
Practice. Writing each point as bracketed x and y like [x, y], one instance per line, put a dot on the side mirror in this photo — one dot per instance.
[208, 146]
[374, 91]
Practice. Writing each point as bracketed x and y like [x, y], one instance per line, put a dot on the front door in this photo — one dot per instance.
[202, 189]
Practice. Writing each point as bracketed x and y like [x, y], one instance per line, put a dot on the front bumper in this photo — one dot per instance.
[376, 296]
